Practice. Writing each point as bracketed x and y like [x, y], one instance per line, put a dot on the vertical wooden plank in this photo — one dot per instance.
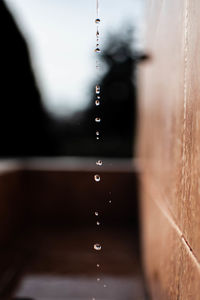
[169, 149]
[191, 180]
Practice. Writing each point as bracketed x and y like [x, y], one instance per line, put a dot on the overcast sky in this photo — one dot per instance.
[61, 39]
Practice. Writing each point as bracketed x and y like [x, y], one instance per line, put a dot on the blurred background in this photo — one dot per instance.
[48, 151]
[48, 77]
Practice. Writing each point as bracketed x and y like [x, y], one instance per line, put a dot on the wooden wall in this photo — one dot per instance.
[11, 202]
[169, 149]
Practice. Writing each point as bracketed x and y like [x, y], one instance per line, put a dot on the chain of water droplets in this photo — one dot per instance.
[99, 163]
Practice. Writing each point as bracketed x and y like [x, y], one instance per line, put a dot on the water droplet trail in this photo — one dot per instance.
[98, 101]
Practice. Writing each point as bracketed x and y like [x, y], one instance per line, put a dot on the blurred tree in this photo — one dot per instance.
[118, 109]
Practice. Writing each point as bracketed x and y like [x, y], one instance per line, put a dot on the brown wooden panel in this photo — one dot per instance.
[191, 147]
[162, 101]
[161, 251]
[169, 147]
[71, 197]
[11, 204]
[171, 268]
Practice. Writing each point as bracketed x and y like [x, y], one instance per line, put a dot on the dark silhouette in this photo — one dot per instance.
[27, 130]
[22, 117]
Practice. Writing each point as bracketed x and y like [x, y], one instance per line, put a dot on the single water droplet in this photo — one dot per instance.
[97, 50]
[99, 163]
[97, 247]
[104, 285]
[98, 223]
[110, 201]
[97, 20]
[98, 279]
[97, 138]
[97, 102]
[97, 132]
[97, 178]
[98, 265]
[97, 33]
[96, 213]
[98, 97]
[98, 120]
[98, 89]
[97, 45]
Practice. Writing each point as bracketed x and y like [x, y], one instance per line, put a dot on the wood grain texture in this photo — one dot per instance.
[169, 148]
[171, 270]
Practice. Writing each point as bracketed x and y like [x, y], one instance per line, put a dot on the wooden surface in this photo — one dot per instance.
[52, 256]
[62, 265]
[58, 189]
[11, 202]
[72, 197]
[169, 149]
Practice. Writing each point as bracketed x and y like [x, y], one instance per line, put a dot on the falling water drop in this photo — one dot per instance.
[97, 50]
[97, 247]
[97, 102]
[104, 285]
[99, 163]
[110, 201]
[97, 178]
[98, 89]
[98, 120]
[97, 20]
